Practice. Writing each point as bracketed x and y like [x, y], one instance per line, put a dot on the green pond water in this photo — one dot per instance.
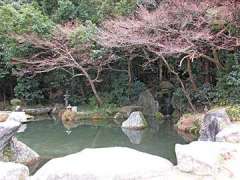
[51, 139]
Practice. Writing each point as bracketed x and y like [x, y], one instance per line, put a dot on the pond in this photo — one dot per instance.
[51, 139]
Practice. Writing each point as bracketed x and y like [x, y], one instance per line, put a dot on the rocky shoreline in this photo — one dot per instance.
[199, 160]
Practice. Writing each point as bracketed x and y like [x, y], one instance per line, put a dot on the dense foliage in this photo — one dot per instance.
[123, 53]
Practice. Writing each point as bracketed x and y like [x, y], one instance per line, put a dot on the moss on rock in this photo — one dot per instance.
[8, 154]
[159, 116]
[233, 112]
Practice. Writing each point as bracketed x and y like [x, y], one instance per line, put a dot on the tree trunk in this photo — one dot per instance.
[99, 100]
[216, 59]
[129, 77]
[189, 67]
[160, 71]
[206, 71]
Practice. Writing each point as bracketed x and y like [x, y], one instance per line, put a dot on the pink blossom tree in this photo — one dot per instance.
[190, 29]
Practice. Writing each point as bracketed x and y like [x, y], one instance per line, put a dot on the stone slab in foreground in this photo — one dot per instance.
[105, 164]
[217, 159]
[13, 171]
[229, 134]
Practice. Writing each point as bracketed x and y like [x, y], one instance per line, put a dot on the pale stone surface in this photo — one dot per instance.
[135, 136]
[3, 117]
[229, 134]
[74, 108]
[22, 128]
[213, 122]
[175, 174]
[124, 112]
[105, 164]
[13, 171]
[22, 153]
[217, 159]
[136, 120]
[7, 130]
[18, 116]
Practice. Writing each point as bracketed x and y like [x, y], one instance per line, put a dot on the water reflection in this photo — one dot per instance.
[50, 140]
[187, 136]
[135, 136]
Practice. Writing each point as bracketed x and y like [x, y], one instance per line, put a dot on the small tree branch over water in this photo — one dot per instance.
[188, 29]
[58, 53]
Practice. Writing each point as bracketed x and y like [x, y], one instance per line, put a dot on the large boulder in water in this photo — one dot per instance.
[149, 104]
[7, 130]
[213, 122]
[217, 159]
[135, 121]
[105, 164]
[13, 171]
[23, 154]
[124, 112]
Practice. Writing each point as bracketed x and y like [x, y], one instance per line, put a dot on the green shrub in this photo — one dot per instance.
[195, 128]
[117, 92]
[159, 116]
[228, 86]
[66, 11]
[29, 90]
[234, 112]
[16, 102]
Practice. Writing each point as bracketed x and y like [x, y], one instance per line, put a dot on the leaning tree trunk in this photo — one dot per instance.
[206, 71]
[99, 100]
[160, 66]
[129, 77]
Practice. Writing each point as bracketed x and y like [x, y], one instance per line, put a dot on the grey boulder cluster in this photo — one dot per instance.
[13, 151]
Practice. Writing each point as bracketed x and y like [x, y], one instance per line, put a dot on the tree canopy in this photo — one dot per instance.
[136, 43]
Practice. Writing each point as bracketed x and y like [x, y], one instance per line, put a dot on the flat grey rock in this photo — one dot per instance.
[116, 163]
[13, 171]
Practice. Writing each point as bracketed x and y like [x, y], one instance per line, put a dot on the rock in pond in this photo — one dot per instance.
[21, 153]
[104, 164]
[136, 120]
[217, 159]
[39, 111]
[124, 112]
[7, 130]
[213, 122]
[13, 171]
[149, 104]
[229, 134]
